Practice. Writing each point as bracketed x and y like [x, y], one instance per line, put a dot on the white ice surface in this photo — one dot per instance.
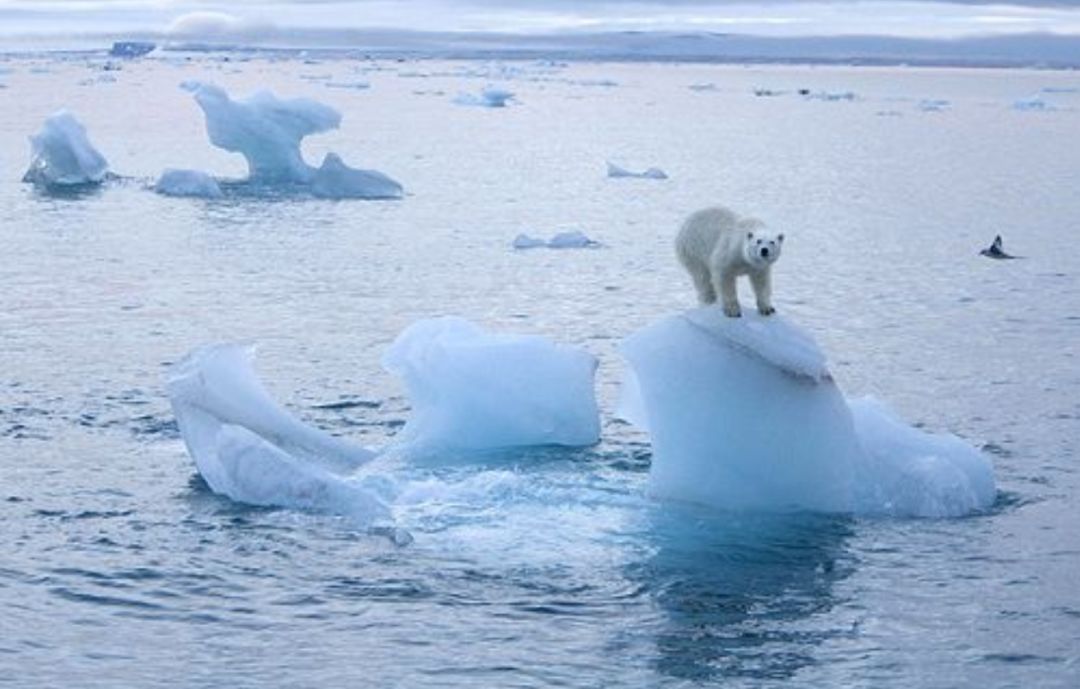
[473, 390]
[62, 155]
[248, 448]
[188, 183]
[615, 171]
[743, 414]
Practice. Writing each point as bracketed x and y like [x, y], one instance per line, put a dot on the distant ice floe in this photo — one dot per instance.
[933, 105]
[1033, 104]
[471, 390]
[490, 97]
[832, 96]
[268, 130]
[743, 414]
[571, 239]
[248, 448]
[62, 155]
[615, 171]
[356, 85]
[190, 183]
[704, 86]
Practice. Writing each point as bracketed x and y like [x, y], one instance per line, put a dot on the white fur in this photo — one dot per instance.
[716, 246]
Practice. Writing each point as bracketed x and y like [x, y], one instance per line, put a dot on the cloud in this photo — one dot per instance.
[214, 25]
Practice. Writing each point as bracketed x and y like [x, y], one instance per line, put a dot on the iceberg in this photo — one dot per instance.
[743, 414]
[62, 155]
[268, 131]
[651, 173]
[188, 183]
[490, 97]
[471, 390]
[246, 447]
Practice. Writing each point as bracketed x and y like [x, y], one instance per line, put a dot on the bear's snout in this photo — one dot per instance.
[764, 252]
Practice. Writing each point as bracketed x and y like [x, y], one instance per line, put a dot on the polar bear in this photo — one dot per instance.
[716, 246]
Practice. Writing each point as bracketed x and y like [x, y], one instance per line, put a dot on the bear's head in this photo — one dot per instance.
[762, 247]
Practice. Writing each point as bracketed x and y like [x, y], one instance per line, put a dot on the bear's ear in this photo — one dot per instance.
[780, 237]
[749, 235]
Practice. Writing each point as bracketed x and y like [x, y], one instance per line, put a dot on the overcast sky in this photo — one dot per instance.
[768, 17]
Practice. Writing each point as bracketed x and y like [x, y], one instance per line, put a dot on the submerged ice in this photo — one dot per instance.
[268, 130]
[62, 155]
[474, 390]
[744, 414]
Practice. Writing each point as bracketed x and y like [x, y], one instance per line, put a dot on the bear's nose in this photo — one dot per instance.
[765, 252]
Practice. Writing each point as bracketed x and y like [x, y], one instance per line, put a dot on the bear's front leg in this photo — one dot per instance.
[725, 285]
[762, 283]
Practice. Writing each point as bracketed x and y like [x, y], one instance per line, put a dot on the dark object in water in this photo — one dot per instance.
[995, 250]
[131, 48]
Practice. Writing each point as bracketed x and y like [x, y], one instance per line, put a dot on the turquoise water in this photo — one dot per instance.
[539, 567]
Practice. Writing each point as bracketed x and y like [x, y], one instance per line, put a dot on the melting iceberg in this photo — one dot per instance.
[62, 155]
[248, 448]
[473, 390]
[614, 170]
[188, 183]
[743, 414]
[267, 131]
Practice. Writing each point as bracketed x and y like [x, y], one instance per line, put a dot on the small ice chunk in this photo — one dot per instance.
[188, 183]
[570, 239]
[473, 390]
[246, 447]
[336, 180]
[1035, 103]
[614, 170]
[832, 96]
[62, 155]
[524, 241]
[933, 105]
[357, 85]
[489, 97]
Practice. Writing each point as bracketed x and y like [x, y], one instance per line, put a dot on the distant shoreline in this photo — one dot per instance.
[1021, 51]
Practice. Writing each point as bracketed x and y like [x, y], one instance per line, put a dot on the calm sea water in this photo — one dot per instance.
[537, 568]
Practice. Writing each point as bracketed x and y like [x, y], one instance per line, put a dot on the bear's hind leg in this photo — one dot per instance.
[703, 284]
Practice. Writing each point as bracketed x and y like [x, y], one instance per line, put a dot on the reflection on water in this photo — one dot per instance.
[738, 593]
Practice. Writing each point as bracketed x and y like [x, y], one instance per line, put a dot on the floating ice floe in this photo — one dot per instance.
[832, 96]
[248, 448]
[571, 239]
[268, 130]
[357, 85]
[1035, 103]
[707, 86]
[188, 183]
[933, 105]
[490, 97]
[471, 390]
[743, 414]
[614, 170]
[62, 155]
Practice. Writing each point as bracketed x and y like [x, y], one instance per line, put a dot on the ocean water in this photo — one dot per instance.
[540, 567]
